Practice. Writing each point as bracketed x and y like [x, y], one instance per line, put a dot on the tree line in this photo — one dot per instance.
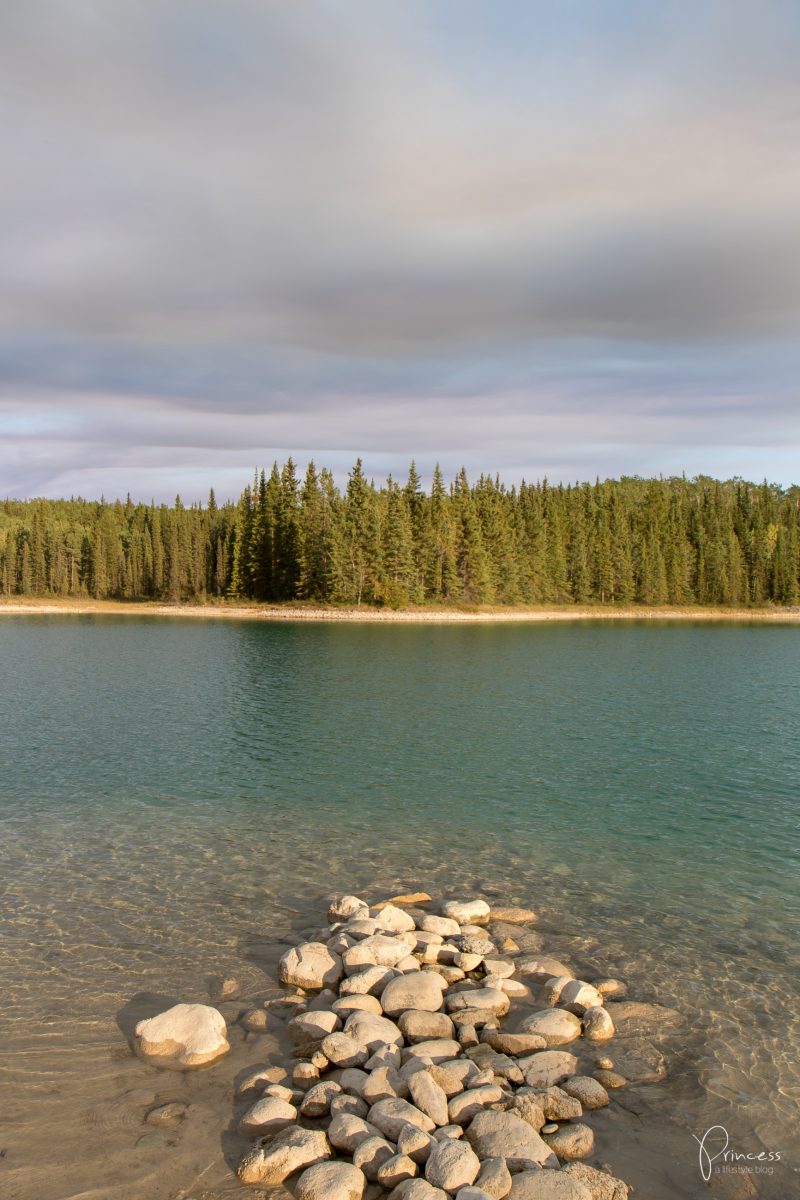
[622, 541]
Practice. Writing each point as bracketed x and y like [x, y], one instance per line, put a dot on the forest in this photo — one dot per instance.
[619, 542]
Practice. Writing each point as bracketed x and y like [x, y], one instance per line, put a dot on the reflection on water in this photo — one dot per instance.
[173, 792]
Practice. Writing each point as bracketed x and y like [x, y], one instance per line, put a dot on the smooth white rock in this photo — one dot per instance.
[183, 1037]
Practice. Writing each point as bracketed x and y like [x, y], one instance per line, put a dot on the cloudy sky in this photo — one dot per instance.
[539, 238]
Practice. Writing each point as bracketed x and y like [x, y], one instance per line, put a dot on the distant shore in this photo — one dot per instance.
[44, 606]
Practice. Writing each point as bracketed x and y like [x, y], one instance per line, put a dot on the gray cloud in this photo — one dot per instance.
[344, 227]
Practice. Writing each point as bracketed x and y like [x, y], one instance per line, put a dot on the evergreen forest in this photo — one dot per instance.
[619, 542]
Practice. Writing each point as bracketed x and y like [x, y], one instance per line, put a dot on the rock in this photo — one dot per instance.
[384, 1056]
[558, 1105]
[467, 961]
[468, 1036]
[448, 1131]
[356, 1003]
[418, 1026]
[352, 1080]
[478, 1018]
[597, 1024]
[371, 1032]
[452, 1164]
[611, 1079]
[416, 1189]
[304, 1074]
[463, 1107]
[378, 950]
[481, 946]
[395, 1170]
[429, 1097]
[437, 1050]
[277, 1159]
[331, 1181]
[590, 1093]
[344, 908]
[487, 999]
[498, 966]
[343, 1050]
[444, 926]
[472, 1193]
[311, 966]
[158, 1137]
[515, 989]
[414, 1142]
[394, 919]
[384, 1083]
[253, 1020]
[360, 927]
[183, 1037]
[405, 965]
[354, 1105]
[421, 991]
[547, 1185]
[405, 898]
[540, 968]
[513, 1043]
[317, 1100]
[504, 1135]
[495, 1178]
[555, 1025]
[268, 1115]
[631, 1017]
[345, 1132]
[571, 1141]
[530, 1107]
[223, 987]
[166, 1114]
[599, 1185]
[389, 1117]
[369, 981]
[639, 1061]
[310, 1028]
[257, 1080]
[613, 989]
[551, 992]
[467, 912]
[499, 1064]
[577, 996]
[512, 915]
[370, 1155]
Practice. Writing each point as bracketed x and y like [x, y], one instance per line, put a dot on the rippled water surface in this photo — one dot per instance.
[176, 795]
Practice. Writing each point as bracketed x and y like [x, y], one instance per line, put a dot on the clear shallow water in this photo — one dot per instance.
[174, 794]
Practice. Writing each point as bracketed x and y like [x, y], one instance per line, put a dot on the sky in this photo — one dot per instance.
[531, 238]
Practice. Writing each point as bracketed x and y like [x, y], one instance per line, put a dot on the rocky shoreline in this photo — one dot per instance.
[435, 1052]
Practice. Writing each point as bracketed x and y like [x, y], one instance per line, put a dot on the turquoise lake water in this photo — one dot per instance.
[168, 785]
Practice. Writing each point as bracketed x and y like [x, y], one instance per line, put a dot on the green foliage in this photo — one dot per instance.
[627, 541]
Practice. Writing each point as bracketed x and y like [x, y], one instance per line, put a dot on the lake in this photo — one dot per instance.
[177, 792]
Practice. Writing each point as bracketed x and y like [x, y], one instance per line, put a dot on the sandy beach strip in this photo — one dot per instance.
[54, 606]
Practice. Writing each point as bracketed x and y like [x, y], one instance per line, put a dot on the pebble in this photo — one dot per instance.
[167, 1114]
